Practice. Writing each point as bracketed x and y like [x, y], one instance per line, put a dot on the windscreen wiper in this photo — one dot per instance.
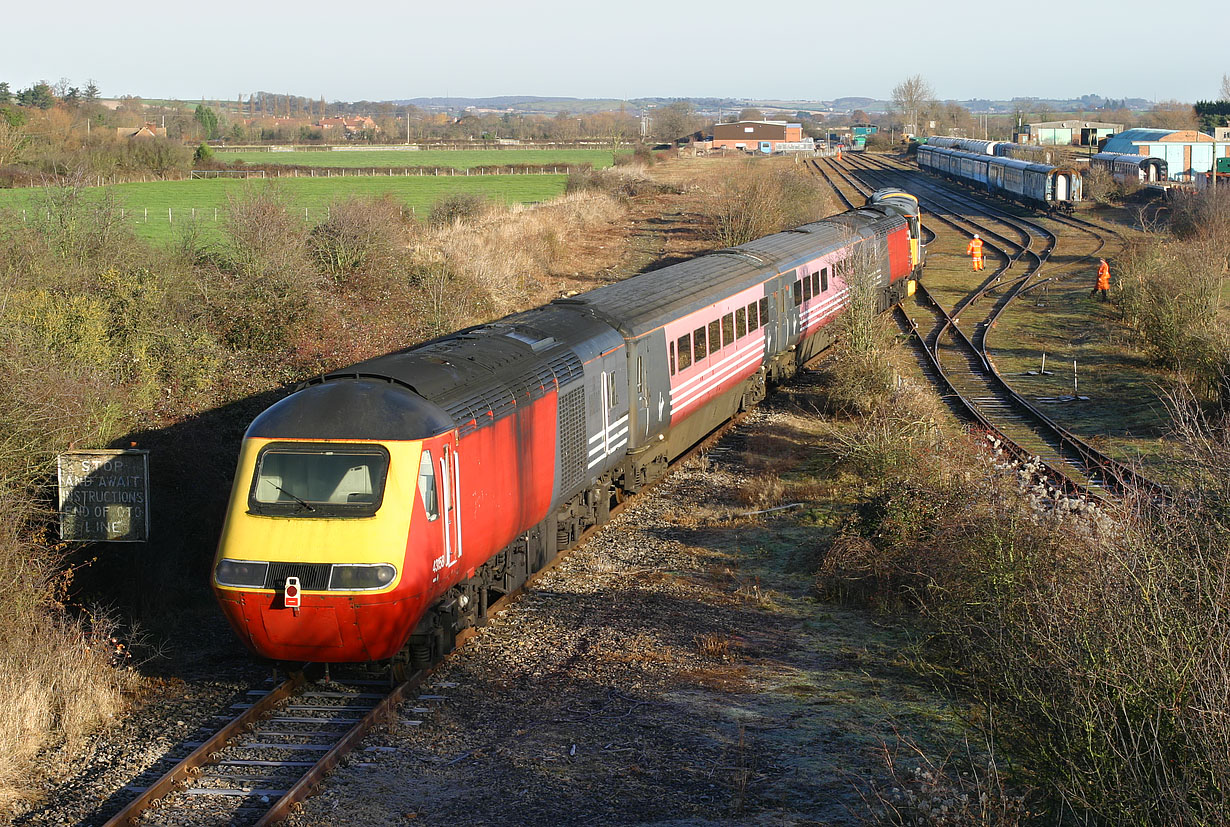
[297, 499]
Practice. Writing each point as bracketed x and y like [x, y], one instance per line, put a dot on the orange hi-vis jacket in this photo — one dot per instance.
[975, 248]
[1103, 276]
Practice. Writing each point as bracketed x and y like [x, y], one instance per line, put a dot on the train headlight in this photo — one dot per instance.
[358, 577]
[241, 573]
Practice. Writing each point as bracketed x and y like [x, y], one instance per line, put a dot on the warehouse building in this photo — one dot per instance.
[1188, 153]
[756, 136]
[1066, 133]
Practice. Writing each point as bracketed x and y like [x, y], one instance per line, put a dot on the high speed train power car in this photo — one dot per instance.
[379, 509]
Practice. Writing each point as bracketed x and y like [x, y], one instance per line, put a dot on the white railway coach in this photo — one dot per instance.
[1039, 185]
[1140, 169]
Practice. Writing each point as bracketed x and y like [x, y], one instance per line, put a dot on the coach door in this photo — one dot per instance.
[450, 498]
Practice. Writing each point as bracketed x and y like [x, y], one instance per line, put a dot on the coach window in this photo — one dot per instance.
[798, 293]
[806, 288]
[752, 321]
[698, 343]
[824, 279]
[715, 336]
[685, 351]
[728, 329]
[740, 322]
[764, 312]
[815, 282]
[427, 486]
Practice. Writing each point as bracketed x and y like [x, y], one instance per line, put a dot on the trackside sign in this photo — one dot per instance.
[104, 496]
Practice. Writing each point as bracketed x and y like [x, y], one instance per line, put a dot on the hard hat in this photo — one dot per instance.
[975, 235]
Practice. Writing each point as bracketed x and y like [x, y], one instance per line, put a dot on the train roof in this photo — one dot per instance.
[1113, 157]
[643, 303]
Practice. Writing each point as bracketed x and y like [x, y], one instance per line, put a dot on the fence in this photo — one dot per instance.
[143, 215]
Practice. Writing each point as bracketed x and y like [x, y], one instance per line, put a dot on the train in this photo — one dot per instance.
[1131, 169]
[1037, 185]
[1003, 149]
[378, 510]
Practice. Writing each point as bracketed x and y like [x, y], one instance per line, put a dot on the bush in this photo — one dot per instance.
[756, 198]
[461, 206]
[359, 237]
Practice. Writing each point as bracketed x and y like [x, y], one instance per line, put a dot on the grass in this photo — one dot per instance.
[314, 195]
[457, 158]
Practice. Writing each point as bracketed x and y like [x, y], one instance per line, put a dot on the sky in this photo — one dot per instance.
[387, 50]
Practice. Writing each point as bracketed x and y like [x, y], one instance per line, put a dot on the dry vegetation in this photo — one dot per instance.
[1098, 640]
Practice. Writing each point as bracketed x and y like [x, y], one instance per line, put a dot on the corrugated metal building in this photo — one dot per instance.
[1187, 152]
[756, 136]
[1066, 133]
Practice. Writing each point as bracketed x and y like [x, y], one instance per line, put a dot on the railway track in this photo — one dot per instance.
[959, 362]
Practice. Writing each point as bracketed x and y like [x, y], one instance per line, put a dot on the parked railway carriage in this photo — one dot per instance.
[972, 145]
[385, 504]
[1139, 169]
[1039, 185]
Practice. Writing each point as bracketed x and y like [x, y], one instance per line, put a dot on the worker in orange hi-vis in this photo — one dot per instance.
[1103, 285]
[975, 251]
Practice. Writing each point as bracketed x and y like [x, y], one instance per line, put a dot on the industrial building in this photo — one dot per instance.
[756, 136]
[1188, 153]
[1066, 133]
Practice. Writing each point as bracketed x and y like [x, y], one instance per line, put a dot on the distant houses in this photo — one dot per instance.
[147, 130]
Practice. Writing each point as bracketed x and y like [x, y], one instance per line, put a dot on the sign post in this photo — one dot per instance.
[104, 496]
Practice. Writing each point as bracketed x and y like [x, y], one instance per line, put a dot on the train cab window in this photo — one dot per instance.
[698, 344]
[806, 288]
[728, 329]
[672, 358]
[798, 294]
[715, 336]
[685, 351]
[824, 279]
[318, 480]
[815, 282]
[764, 312]
[427, 486]
[740, 322]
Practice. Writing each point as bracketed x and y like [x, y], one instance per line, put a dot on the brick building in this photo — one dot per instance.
[756, 136]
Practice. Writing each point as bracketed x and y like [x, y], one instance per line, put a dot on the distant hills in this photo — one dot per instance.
[538, 104]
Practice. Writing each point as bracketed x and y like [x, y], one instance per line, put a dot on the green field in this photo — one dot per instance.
[147, 205]
[458, 159]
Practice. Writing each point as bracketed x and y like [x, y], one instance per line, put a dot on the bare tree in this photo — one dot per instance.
[910, 97]
[1225, 88]
[674, 121]
[13, 141]
[750, 114]
[1172, 114]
